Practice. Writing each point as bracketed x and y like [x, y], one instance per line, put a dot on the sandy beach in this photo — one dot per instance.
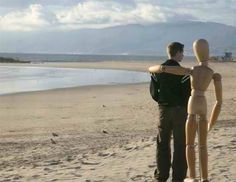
[101, 133]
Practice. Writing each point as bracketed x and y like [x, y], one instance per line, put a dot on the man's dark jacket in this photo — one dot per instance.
[173, 90]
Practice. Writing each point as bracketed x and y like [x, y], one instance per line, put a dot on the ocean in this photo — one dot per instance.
[26, 79]
[82, 58]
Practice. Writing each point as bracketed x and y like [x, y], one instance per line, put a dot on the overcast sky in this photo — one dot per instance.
[34, 15]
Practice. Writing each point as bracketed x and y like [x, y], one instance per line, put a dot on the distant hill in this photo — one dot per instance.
[128, 39]
[11, 60]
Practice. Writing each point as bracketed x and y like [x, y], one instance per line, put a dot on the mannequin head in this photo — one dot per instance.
[201, 50]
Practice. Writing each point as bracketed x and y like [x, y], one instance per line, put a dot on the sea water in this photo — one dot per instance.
[25, 79]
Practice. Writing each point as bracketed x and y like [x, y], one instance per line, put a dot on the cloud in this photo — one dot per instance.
[32, 18]
[26, 3]
[92, 14]
[97, 13]
[75, 14]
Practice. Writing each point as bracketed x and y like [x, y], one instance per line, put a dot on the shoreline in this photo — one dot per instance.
[73, 67]
[123, 65]
[140, 66]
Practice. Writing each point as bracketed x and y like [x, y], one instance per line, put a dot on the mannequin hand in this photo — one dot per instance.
[155, 69]
[209, 127]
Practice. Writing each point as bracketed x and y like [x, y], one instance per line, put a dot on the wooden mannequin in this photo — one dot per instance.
[201, 76]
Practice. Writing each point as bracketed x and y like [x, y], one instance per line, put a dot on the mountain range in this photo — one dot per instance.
[133, 39]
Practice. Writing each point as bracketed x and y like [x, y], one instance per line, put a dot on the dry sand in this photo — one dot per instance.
[101, 133]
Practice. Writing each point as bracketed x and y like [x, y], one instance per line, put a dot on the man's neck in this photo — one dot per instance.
[174, 59]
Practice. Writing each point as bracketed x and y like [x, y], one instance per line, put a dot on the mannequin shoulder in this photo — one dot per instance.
[217, 77]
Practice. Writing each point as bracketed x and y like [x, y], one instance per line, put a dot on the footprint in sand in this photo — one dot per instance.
[233, 148]
[47, 169]
[90, 163]
[17, 177]
[11, 169]
[55, 134]
[223, 170]
[75, 167]
[85, 156]
[113, 154]
[76, 175]
[233, 141]
[103, 154]
[53, 141]
[5, 180]
[147, 145]
[226, 176]
[217, 146]
[152, 165]
[53, 162]
[139, 177]
[54, 180]
[69, 158]
[128, 147]
[35, 176]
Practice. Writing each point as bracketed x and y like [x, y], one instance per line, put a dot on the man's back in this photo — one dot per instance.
[171, 91]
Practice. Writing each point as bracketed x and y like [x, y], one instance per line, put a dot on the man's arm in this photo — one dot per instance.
[177, 70]
[217, 107]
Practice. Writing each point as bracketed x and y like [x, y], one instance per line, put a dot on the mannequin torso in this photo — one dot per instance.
[201, 77]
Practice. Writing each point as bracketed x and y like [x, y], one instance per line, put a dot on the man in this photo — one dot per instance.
[173, 93]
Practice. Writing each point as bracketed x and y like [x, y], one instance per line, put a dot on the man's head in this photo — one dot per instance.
[175, 51]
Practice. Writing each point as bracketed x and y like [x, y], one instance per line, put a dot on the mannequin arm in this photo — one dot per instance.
[217, 107]
[176, 70]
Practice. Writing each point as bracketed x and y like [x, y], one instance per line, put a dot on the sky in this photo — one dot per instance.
[64, 15]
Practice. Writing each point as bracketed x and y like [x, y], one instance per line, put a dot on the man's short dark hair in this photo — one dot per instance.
[174, 47]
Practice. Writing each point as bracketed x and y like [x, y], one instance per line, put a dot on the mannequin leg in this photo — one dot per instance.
[203, 146]
[191, 128]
